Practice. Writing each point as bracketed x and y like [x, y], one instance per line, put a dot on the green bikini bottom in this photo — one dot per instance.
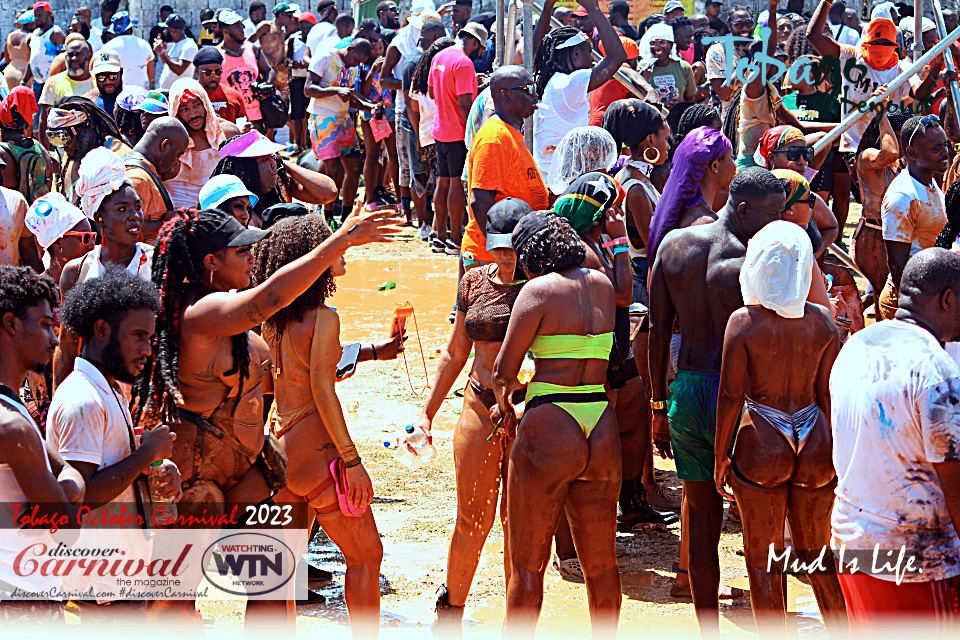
[585, 403]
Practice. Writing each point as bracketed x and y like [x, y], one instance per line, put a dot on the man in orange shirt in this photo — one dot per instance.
[613, 90]
[155, 158]
[501, 166]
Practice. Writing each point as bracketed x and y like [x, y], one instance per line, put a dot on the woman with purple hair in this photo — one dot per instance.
[702, 167]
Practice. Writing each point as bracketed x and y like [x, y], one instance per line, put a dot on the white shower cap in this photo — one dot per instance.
[582, 150]
[778, 269]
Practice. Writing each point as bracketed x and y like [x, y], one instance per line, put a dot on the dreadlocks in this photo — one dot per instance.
[949, 234]
[418, 81]
[550, 60]
[129, 124]
[176, 271]
[99, 123]
[248, 170]
[699, 52]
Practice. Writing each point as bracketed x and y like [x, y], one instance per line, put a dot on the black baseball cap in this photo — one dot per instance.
[174, 22]
[276, 213]
[502, 219]
[229, 234]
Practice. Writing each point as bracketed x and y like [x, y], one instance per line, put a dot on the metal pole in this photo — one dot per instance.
[640, 92]
[917, 29]
[852, 119]
[845, 258]
[498, 59]
[510, 32]
[528, 63]
[947, 56]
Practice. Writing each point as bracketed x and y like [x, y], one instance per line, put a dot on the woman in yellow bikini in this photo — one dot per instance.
[567, 448]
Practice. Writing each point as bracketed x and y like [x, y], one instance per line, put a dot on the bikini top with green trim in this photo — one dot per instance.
[573, 346]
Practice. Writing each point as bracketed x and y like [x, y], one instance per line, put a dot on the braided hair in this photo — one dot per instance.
[696, 116]
[421, 73]
[550, 60]
[952, 229]
[798, 45]
[248, 170]
[177, 271]
[699, 52]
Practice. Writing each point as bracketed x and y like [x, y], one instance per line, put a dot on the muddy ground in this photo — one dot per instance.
[415, 510]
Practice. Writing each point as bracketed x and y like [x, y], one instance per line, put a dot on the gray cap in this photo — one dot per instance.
[502, 218]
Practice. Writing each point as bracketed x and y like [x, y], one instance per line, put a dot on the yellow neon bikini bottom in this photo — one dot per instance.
[584, 403]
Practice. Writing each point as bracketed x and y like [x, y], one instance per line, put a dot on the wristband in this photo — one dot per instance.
[658, 405]
[619, 250]
[374, 347]
[614, 242]
[353, 463]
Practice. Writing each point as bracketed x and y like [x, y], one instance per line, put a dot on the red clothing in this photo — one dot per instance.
[228, 103]
[607, 94]
[871, 602]
[451, 74]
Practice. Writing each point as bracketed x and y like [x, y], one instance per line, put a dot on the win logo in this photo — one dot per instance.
[249, 564]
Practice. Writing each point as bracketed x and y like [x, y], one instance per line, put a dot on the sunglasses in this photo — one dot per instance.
[925, 121]
[795, 153]
[811, 201]
[59, 137]
[739, 24]
[530, 89]
[107, 77]
[86, 237]
[208, 73]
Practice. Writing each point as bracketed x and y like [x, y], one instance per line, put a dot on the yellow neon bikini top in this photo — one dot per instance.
[573, 346]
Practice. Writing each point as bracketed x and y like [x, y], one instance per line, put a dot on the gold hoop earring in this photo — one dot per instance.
[656, 158]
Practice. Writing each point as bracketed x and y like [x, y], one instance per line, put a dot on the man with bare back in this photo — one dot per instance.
[273, 42]
[781, 468]
[695, 281]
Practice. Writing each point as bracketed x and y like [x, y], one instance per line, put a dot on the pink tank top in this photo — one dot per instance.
[239, 72]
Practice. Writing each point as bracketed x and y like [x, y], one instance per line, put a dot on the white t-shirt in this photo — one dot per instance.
[320, 32]
[860, 92]
[895, 412]
[95, 39]
[844, 34]
[135, 55]
[912, 212]
[332, 74]
[428, 113]
[13, 211]
[90, 422]
[716, 62]
[299, 53]
[565, 105]
[248, 28]
[180, 52]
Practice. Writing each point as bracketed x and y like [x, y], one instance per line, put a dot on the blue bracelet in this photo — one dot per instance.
[620, 249]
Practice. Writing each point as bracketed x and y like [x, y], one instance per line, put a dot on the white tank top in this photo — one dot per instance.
[140, 264]
[42, 53]
[648, 188]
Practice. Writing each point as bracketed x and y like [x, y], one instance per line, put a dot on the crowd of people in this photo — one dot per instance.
[670, 252]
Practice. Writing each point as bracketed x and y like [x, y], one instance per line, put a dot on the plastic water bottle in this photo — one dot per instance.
[165, 507]
[406, 456]
[417, 440]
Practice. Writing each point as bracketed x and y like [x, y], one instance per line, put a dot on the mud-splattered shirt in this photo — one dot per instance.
[912, 212]
[896, 411]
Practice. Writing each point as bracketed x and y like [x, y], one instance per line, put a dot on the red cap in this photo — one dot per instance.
[581, 12]
[43, 5]
[306, 16]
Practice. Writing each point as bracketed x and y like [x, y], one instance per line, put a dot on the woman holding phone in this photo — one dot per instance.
[304, 341]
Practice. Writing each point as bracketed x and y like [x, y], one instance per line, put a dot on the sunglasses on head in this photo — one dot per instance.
[795, 153]
[530, 89]
[925, 121]
[86, 237]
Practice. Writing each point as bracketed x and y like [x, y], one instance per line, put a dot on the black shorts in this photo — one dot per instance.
[298, 101]
[824, 179]
[451, 156]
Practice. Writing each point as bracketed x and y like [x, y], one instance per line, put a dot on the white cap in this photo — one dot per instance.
[50, 217]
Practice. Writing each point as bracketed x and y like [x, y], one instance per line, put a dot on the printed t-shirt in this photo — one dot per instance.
[602, 98]
[912, 212]
[499, 161]
[135, 54]
[240, 73]
[451, 75]
[332, 74]
[565, 105]
[42, 52]
[895, 409]
[61, 86]
[715, 61]
[227, 103]
[674, 82]
[860, 92]
[757, 116]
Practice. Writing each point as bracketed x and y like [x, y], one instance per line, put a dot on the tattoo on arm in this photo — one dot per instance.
[254, 314]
